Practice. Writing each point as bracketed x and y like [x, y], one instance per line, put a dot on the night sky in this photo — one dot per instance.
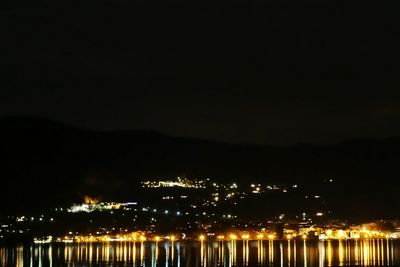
[267, 72]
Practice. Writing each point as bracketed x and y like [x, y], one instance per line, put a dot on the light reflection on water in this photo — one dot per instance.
[378, 252]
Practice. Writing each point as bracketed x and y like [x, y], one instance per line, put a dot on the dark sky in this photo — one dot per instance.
[270, 72]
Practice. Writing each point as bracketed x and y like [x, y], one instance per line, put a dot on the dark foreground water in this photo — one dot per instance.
[191, 253]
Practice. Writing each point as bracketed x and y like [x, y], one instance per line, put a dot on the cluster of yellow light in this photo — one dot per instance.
[353, 234]
[141, 237]
[241, 236]
[271, 236]
[341, 234]
[244, 236]
[131, 237]
[373, 234]
[48, 239]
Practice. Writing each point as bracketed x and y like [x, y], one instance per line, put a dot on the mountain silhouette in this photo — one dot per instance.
[46, 164]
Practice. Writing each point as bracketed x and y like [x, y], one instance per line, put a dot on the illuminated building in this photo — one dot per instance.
[99, 206]
[179, 182]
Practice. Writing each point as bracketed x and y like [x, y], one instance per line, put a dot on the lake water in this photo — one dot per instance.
[192, 253]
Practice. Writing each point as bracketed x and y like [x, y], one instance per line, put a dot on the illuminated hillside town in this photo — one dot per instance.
[176, 213]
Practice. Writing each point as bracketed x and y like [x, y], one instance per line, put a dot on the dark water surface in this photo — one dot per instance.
[380, 252]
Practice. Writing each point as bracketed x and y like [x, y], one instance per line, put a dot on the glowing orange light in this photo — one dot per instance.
[91, 200]
[245, 236]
